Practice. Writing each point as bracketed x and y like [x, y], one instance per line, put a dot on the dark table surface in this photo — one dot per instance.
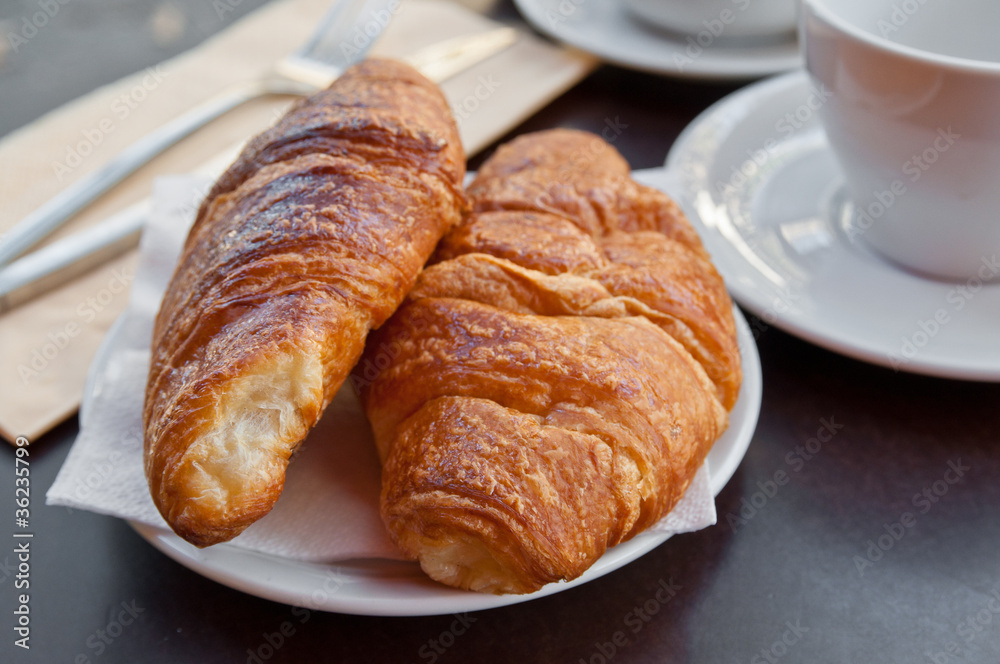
[780, 583]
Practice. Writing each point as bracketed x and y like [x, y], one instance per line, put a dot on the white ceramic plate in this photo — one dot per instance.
[771, 205]
[606, 29]
[385, 588]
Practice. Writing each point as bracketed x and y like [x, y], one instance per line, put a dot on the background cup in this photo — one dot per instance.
[914, 120]
[731, 19]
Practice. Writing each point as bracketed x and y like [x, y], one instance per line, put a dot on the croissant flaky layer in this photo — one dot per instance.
[556, 377]
[311, 238]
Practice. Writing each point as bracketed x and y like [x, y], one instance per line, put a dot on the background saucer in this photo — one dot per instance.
[606, 29]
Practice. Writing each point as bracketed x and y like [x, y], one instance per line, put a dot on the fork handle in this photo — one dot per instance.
[84, 191]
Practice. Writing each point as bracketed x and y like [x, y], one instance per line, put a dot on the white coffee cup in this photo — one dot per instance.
[914, 120]
[723, 19]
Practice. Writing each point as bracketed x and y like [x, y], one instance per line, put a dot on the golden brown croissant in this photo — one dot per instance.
[311, 238]
[556, 378]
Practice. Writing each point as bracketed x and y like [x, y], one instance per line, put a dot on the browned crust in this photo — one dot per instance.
[556, 378]
[311, 238]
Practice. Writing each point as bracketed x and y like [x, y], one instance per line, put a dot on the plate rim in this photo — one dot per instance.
[217, 562]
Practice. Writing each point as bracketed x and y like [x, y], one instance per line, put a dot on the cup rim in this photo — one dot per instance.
[820, 8]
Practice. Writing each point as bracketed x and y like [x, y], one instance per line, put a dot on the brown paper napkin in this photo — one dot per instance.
[46, 345]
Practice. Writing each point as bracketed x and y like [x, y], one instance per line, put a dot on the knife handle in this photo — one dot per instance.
[70, 257]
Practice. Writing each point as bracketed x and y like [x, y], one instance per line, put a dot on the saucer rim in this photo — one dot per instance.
[868, 349]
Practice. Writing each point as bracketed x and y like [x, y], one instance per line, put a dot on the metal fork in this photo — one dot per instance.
[314, 66]
[71, 256]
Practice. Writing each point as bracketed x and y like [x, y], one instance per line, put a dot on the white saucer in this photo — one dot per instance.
[779, 237]
[606, 29]
[390, 588]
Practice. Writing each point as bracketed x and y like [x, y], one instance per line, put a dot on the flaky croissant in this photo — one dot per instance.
[310, 239]
[556, 378]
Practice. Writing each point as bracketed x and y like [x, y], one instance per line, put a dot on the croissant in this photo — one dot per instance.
[556, 377]
[310, 239]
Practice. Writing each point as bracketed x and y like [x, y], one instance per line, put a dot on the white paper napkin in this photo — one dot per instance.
[328, 510]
